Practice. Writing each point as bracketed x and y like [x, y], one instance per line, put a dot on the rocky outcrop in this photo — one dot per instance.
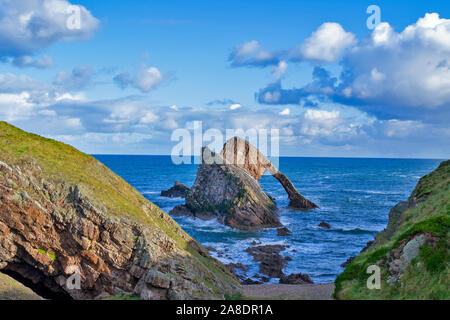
[400, 258]
[94, 239]
[227, 188]
[296, 278]
[241, 153]
[178, 190]
[229, 194]
[238, 270]
[271, 263]
[284, 232]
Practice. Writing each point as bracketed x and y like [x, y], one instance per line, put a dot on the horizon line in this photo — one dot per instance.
[302, 157]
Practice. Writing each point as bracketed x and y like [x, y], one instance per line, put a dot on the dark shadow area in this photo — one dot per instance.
[39, 288]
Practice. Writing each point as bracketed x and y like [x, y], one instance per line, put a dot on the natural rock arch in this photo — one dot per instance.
[243, 154]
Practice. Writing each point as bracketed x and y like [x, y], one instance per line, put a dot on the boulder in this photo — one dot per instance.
[324, 225]
[237, 269]
[296, 278]
[283, 232]
[249, 281]
[178, 190]
[271, 263]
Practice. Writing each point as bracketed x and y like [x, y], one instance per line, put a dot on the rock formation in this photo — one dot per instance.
[64, 216]
[178, 190]
[227, 188]
[296, 278]
[283, 232]
[324, 225]
[271, 263]
[241, 153]
[230, 194]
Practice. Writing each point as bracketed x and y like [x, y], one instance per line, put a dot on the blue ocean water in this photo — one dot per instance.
[354, 195]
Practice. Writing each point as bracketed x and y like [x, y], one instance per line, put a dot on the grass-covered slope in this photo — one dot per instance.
[10, 289]
[63, 164]
[427, 275]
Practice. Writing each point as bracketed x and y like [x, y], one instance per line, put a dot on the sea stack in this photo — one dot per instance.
[227, 188]
[229, 194]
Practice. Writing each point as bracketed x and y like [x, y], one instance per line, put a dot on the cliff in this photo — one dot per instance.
[63, 214]
[412, 252]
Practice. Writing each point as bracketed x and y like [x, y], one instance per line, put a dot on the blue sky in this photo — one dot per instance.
[137, 70]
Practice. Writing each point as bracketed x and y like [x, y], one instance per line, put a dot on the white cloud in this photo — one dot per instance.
[235, 106]
[45, 62]
[27, 26]
[145, 79]
[285, 112]
[148, 78]
[320, 122]
[410, 68]
[392, 74]
[400, 129]
[80, 78]
[251, 53]
[49, 113]
[279, 70]
[327, 43]
[148, 117]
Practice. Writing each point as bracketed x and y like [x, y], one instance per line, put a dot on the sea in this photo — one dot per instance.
[354, 196]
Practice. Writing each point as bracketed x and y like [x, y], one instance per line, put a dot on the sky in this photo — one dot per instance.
[119, 77]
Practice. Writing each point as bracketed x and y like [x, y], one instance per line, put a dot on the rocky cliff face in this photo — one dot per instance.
[412, 252]
[64, 216]
[230, 194]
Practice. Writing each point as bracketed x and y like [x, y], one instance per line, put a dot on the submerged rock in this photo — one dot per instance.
[324, 225]
[178, 190]
[271, 263]
[283, 232]
[249, 281]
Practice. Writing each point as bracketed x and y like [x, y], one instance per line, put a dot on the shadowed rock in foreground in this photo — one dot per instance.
[178, 190]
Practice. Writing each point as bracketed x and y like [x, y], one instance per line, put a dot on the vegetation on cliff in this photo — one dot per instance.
[61, 208]
[412, 252]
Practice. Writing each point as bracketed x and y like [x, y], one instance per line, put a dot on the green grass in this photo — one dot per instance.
[50, 255]
[11, 289]
[233, 297]
[122, 296]
[428, 275]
